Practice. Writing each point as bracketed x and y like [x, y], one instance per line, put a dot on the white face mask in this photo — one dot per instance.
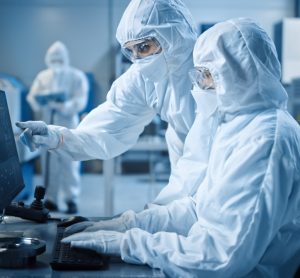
[153, 67]
[206, 101]
[56, 66]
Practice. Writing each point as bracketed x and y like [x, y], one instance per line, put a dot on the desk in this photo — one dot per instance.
[147, 143]
[47, 231]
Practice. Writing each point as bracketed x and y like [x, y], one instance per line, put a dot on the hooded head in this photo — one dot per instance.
[57, 55]
[243, 62]
[169, 21]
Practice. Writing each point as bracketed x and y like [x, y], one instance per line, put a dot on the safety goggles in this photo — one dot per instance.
[201, 77]
[58, 62]
[142, 48]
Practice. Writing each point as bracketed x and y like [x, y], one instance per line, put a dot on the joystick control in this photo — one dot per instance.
[39, 194]
[36, 211]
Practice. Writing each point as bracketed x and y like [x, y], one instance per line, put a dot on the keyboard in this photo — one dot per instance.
[66, 258]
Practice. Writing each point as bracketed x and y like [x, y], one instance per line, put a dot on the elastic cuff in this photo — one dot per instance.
[60, 143]
[129, 219]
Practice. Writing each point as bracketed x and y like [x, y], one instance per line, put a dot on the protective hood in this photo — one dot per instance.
[57, 51]
[244, 65]
[169, 21]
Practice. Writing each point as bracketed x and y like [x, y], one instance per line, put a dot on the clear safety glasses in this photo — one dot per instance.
[201, 77]
[142, 48]
[56, 60]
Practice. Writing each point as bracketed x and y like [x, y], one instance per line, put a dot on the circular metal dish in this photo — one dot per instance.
[17, 252]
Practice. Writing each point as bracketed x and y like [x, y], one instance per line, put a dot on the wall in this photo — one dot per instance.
[266, 12]
[88, 27]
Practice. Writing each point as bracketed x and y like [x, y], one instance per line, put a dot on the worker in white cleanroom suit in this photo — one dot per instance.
[244, 220]
[59, 93]
[158, 36]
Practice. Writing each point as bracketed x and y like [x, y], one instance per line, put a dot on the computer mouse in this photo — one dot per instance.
[72, 220]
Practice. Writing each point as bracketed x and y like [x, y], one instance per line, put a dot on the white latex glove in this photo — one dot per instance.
[120, 224]
[37, 133]
[103, 242]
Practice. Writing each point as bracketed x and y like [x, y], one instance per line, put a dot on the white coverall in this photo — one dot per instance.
[161, 86]
[62, 173]
[244, 220]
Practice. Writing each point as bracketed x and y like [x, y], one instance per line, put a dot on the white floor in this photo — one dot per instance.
[130, 192]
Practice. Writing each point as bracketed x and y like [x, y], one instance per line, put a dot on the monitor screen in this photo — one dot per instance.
[11, 179]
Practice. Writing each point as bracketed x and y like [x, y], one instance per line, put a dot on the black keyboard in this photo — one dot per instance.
[66, 258]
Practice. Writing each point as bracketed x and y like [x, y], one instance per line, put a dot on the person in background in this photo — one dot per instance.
[244, 220]
[158, 36]
[59, 93]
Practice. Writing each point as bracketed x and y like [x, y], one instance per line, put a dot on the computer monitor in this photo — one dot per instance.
[11, 178]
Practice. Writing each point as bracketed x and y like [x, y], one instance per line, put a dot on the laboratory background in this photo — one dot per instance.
[87, 28]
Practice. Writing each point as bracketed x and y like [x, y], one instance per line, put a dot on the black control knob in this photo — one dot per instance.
[39, 194]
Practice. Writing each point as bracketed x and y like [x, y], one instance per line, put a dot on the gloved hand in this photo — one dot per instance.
[103, 242]
[120, 224]
[37, 134]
